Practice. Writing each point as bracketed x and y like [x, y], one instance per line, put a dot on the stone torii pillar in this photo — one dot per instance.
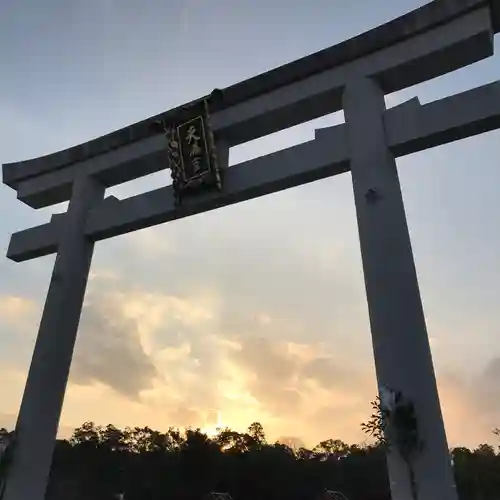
[400, 342]
[40, 410]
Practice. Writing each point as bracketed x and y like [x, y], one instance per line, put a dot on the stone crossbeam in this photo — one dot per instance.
[446, 48]
[420, 53]
[410, 127]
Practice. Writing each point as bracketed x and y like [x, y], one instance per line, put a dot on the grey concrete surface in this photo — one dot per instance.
[401, 348]
[43, 396]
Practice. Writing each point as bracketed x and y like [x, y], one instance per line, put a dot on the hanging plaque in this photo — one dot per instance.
[192, 152]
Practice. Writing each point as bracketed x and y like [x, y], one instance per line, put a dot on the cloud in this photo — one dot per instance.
[324, 371]
[298, 383]
[128, 336]
[471, 404]
[109, 348]
[7, 421]
[16, 310]
[110, 352]
[145, 358]
[177, 358]
[282, 267]
[487, 392]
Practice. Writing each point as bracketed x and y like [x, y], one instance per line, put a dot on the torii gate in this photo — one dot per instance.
[440, 37]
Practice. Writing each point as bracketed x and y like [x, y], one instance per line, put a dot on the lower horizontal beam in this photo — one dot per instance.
[34, 242]
[284, 169]
[453, 118]
[274, 172]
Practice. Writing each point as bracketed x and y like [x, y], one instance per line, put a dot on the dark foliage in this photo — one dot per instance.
[98, 463]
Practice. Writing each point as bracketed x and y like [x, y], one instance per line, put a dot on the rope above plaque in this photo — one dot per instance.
[191, 149]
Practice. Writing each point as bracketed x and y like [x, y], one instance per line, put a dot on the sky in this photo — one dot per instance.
[254, 312]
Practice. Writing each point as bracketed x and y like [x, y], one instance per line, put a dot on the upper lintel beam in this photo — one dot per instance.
[457, 43]
[416, 22]
[111, 168]
[445, 48]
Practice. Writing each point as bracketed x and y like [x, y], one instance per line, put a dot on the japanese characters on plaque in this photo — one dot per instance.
[192, 153]
[193, 148]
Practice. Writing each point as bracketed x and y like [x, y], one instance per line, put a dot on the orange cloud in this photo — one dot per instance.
[182, 364]
[145, 358]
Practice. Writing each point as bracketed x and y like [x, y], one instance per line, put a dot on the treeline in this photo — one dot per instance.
[99, 463]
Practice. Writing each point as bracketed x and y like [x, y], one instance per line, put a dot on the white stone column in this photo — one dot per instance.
[401, 346]
[43, 397]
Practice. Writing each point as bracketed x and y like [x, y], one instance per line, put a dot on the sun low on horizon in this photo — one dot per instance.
[211, 430]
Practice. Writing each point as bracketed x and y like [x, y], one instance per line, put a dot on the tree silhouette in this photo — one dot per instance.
[394, 425]
[104, 462]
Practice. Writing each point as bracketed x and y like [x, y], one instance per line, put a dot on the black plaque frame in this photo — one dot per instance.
[192, 173]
